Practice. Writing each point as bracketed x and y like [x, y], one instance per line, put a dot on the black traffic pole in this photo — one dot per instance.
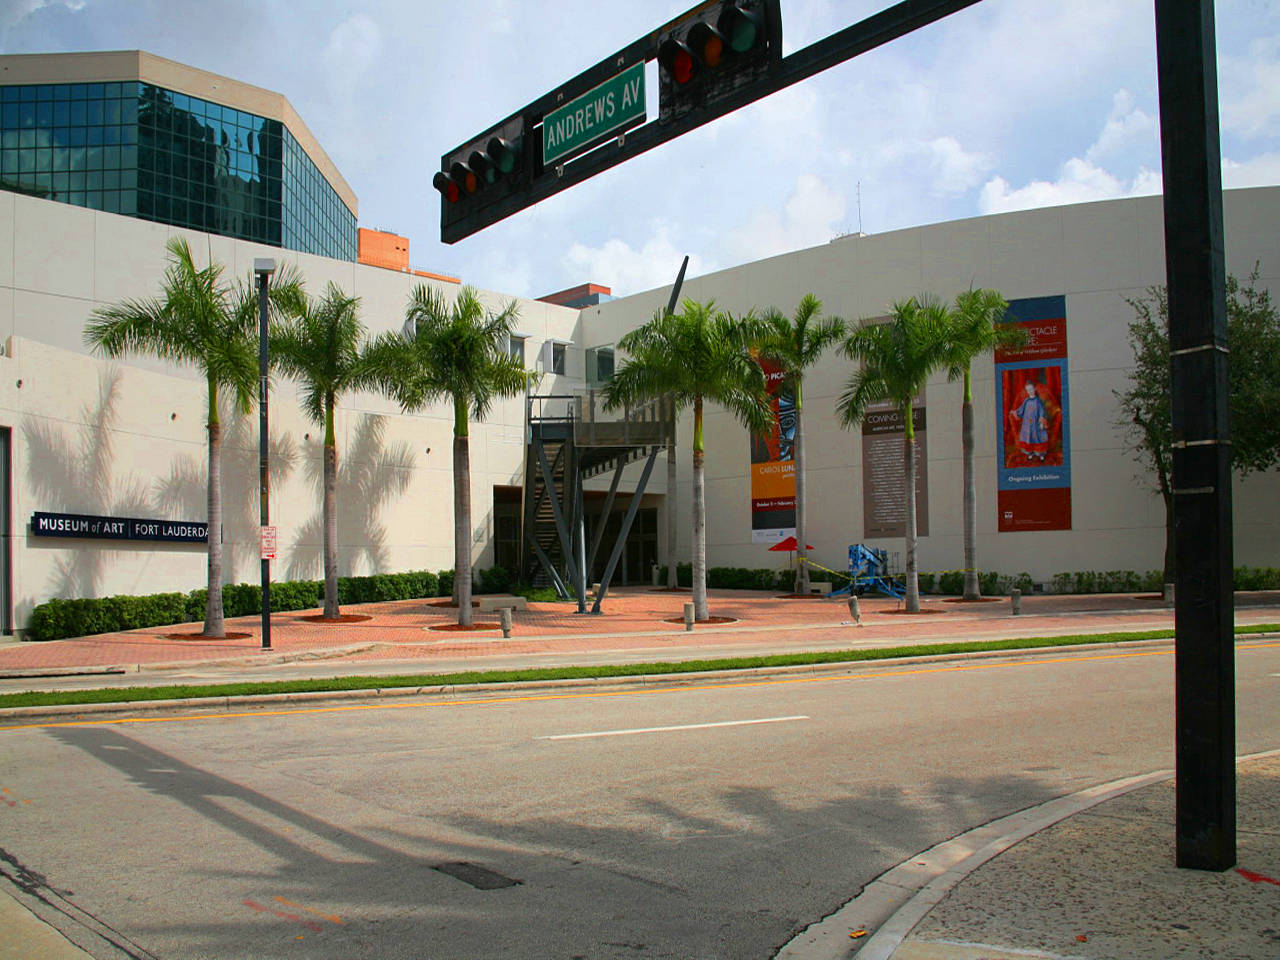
[263, 269]
[1203, 603]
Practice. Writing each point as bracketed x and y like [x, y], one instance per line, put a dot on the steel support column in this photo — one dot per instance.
[1204, 603]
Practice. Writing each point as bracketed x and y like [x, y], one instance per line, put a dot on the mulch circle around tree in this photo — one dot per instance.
[978, 600]
[802, 596]
[918, 613]
[341, 618]
[202, 636]
[458, 627]
[450, 603]
[671, 590]
[710, 621]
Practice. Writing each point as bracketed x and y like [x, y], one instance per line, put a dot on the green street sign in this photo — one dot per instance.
[617, 104]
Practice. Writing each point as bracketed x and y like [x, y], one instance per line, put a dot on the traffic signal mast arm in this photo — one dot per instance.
[708, 67]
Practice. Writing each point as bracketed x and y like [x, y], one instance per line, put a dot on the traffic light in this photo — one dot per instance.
[479, 173]
[714, 50]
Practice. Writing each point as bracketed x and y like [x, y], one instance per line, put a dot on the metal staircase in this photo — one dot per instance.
[570, 439]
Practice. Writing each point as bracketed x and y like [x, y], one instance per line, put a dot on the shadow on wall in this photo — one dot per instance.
[369, 475]
[185, 490]
[71, 469]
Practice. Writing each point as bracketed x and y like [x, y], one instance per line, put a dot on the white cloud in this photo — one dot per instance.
[1126, 127]
[353, 45]
[1081, 182]
[1085, 179]
[1251, 106]
[15, 12]
[1261, 171]
[811, 215]
[942, 162]
[627, 270]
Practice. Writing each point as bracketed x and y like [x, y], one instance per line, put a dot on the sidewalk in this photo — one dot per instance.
[1102, 884]
[635, 620]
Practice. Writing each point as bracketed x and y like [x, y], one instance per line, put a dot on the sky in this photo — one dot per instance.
[1008, 105]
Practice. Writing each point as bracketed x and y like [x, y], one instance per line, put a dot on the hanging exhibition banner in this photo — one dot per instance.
[1033, 456]
[884, 484]
[773, 468]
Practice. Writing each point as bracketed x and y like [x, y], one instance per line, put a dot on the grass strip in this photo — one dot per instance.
[471, 677]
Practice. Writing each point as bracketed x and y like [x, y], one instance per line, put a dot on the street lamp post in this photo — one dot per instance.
[263, 268]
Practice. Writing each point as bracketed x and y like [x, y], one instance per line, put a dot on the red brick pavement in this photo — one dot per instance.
[632, 618]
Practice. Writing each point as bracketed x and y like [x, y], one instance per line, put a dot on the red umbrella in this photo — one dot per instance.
[789, 545]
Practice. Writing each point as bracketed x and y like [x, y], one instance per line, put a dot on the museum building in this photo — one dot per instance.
[105, 157]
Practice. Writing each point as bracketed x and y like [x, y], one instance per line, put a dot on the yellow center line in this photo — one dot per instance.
[598, 694]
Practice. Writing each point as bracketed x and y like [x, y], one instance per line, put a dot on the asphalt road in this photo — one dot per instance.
[700, 821]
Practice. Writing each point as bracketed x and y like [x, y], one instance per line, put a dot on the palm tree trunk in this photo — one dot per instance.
[700, 611]
[462, 513]
[213, 622]
[909, 471]
[331, 610]
[672, 581]
[798, 453]
[972, 588]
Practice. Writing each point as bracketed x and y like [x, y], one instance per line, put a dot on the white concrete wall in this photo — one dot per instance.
[1096, 254]
[127, 437]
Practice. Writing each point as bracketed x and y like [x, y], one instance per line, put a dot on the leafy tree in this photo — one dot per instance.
[201, 321]
[1253, 336]
[897, 357]
[458, 351]
[975, 329]
[322, 346]
[795, 344]
[697, 355]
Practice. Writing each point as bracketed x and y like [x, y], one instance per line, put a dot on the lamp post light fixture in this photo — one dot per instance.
[263, 268]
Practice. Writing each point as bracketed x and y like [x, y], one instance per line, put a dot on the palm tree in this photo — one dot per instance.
[459, 351]
[321, 345]
[693, 356]
[795, 345]
[976, 329]
[897, 357]
[201, 321]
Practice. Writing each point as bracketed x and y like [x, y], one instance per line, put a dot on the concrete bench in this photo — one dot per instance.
[498, 601]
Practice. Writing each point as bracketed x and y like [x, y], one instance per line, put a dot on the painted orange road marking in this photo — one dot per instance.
[332, 918]
[309, 924]
[531, 698]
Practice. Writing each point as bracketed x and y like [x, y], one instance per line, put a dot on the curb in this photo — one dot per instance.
[61, 712]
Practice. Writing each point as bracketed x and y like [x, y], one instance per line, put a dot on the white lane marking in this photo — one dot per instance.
[686, 726]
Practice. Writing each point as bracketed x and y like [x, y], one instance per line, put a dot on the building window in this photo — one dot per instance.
[599, 365]
[515, 346]
[557, 357]
[142, 150]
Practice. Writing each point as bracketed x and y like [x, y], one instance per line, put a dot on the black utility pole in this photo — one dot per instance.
[263, 269]
[1204, 603]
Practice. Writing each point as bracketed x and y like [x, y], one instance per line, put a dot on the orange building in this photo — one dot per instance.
[380, 248]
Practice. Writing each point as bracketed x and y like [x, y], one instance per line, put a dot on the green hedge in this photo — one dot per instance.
[56, 619]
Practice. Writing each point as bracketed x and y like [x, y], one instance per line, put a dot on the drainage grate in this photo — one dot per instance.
[479, 877]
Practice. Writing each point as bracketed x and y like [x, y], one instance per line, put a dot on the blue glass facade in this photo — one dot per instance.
[147, 152]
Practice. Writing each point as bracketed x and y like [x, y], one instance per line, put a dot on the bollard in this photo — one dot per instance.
[657, 575]
[688, 616]
[1168, 594]
[504, 618]
[1015, 601]
[855, 614]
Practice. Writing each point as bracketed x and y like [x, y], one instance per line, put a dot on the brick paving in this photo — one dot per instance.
[633, 619]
